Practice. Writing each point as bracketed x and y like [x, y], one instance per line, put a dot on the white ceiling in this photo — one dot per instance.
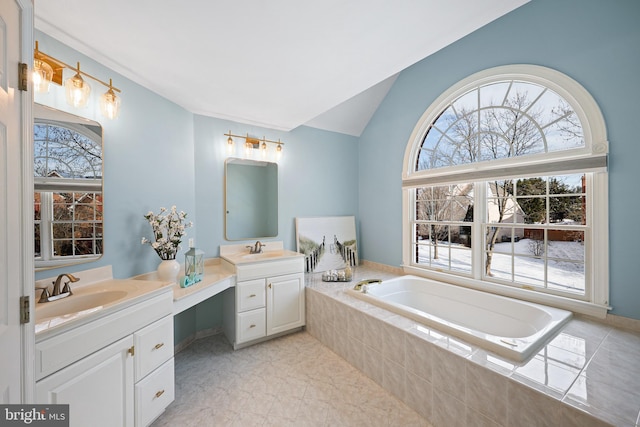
[278, 64]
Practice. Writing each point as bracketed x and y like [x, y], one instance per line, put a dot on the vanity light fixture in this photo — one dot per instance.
[42, 75]
[263, 148]
[77, 90]
[230, 146]
[252, 144]
[110, 103]
[47, 70]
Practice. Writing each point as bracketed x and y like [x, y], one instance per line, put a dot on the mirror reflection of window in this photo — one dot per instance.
[68, 207]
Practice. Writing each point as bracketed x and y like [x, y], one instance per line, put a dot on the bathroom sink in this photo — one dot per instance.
[244, 257]
[91, 301]
[78, 303]
[263, 255]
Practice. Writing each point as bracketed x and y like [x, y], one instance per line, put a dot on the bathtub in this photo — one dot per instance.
[508, 327]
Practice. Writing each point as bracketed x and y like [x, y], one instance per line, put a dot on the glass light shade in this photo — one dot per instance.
[42, 75]
[263, 150]
[279, 151]
[248, 149]
[194, 264]
[110, 104]
[77, 91]
[230, 146]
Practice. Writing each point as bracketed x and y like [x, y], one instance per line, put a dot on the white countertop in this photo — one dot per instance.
[50, 318]
[217, 278]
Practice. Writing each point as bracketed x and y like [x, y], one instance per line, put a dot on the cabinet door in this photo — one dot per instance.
[98, 388]
[285, 303]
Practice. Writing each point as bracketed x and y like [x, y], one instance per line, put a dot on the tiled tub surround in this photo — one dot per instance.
[587, 375]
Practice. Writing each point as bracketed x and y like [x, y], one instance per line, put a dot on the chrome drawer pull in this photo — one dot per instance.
[160, 393]
[157, 346]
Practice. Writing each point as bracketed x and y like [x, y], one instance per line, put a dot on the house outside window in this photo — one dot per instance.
[68, 194]
[505, 189]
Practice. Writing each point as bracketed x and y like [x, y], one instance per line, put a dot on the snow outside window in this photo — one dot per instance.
[505, 189]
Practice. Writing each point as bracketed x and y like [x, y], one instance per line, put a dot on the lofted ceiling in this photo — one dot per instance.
[277, 64]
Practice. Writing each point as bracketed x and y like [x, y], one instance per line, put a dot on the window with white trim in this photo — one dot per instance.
[505, 187]
[67, 193]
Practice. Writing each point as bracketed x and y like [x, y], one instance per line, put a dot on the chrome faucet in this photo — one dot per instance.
[57, 293]
[257, 248]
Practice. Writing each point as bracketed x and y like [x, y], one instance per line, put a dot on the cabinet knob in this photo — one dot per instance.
[269, 285]
[252, 296]
[252, 326]
[157, 346]
[159, 393]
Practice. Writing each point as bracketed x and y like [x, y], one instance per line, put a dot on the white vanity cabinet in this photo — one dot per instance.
[116, 370]
[268, 300]
[98, 388]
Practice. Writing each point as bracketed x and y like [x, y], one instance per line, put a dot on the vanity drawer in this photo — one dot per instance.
[251, 325]
[153, 346]
[154, 393]
[257, 270]
[250, 294]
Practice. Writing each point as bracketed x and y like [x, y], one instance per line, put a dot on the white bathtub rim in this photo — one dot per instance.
[564, 303]
[511, 348]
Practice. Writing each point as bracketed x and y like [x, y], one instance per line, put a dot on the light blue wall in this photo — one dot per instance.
[317, 176]
[158, 154]
[596, 43]
[148, 163]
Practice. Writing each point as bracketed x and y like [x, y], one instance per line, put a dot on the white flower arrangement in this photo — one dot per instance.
[168, 229]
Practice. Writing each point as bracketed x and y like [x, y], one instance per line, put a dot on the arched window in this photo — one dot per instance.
[505, 188]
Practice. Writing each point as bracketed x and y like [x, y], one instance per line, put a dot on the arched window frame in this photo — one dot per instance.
[591, 159]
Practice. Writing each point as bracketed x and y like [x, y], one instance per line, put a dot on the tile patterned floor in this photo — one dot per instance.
[289, 381]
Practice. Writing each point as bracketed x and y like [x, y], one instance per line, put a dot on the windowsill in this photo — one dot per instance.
[46, 265]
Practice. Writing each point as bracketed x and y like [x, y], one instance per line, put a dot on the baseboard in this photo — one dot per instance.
[177, 348]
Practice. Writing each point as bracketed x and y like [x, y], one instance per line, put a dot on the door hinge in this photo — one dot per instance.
[25, 310]
[132, 350]
[23, 73]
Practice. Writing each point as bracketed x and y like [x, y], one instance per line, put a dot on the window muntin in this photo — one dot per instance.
[68, 194]
[443, 227]
[570, 142]
[535, 230]
[65, 153]
[498, 121]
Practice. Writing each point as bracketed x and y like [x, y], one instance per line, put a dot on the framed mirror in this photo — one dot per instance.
[251, 199]
[68, 205]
